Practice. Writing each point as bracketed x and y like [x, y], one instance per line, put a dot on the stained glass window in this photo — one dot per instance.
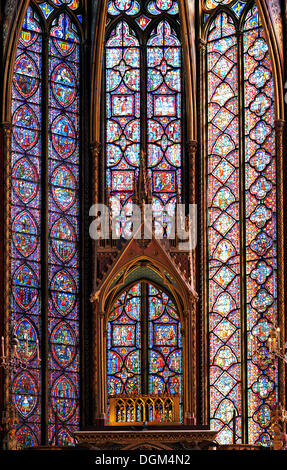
[164, 344]
[144, 344]
[124, 344]
[223, 190]
[242, 224]
[26, 198]
[164, 116]
[45, 226]
[260, 187]
[63, 321]
[143, 113]
[122, 115]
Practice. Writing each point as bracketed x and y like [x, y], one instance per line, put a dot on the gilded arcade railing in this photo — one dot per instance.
[141, 409]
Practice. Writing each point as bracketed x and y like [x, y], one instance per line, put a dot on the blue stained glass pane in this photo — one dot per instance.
[46, 9]
[259, 225]
[124, 344]
[143, 22]
[63, 227]
[223, 231]
[260, 200]
[238, 8]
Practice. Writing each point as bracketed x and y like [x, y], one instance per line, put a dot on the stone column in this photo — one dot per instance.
[97, 358]
[95, 153]
[191, 152]
[5, 264]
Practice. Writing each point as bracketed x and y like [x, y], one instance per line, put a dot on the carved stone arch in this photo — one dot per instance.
[111, 292]
[156, 260]
[182, 320]
[18, 16]
[112, 299]
[17, 13]
[147, 446]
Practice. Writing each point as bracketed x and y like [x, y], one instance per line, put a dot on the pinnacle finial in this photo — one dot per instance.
[143, 192]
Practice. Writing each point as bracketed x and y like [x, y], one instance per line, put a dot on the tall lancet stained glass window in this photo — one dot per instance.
[143, 107]
[63, 206]
[26, 225]
[45, 224]
[242, 222]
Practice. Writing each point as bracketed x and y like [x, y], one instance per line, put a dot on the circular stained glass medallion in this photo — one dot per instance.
[63, 85]
[24, 287]
[25, 127]
[24, 233]
[63, 136]
[63, 396]
[63, 187]
[27, 337]
[63, 344]
[24, 393]
[63, 240]
[63, 292]
[25, 76]
[25, 180]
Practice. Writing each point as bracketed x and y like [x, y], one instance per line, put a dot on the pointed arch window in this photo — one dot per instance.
[45, 223]
[144, 345]
[143, 104]
[142, 116]
[242, 243]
